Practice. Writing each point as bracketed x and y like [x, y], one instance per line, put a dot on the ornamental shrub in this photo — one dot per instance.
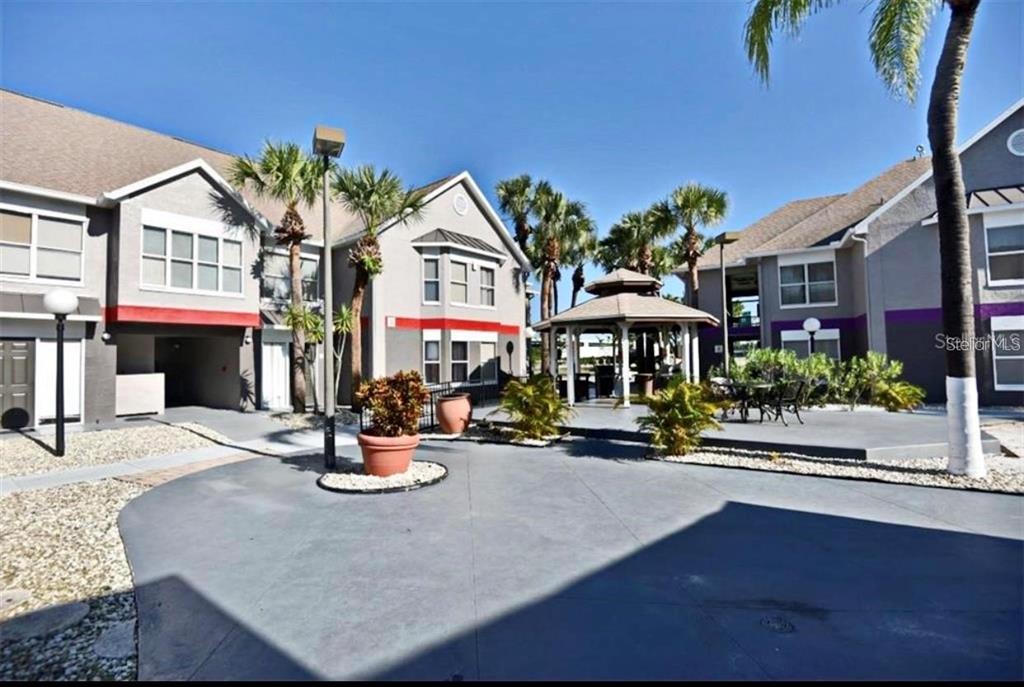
[395, 403]
[677, 416]
[535, 407]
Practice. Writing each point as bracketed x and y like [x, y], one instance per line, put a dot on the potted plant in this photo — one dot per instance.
[394, 404]
[454, 412]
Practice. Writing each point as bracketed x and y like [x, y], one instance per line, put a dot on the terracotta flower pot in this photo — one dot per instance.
[383, 456]
[454, 413]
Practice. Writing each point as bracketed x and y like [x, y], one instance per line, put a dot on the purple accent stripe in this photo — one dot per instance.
[982, 311]
[858, 322]
[736, 331]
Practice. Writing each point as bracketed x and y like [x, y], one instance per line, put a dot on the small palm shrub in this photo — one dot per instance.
[678, 414]
[898, 395]
[535, 407]
[395, 403]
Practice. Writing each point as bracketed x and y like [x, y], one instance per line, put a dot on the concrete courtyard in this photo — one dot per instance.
[578, 562]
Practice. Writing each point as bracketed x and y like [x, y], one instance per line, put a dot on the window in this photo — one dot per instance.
[277, 281]
[1008, 353]
[56, 243]
[432, 362]
[489, 362]
[486, 286]
[460, 282]
[1004, 241]
[460, 361]
[811, 283]
[193, 262]
[825, 341]
[431, 280]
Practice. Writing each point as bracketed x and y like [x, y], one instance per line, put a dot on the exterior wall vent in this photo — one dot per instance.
[1016, 143]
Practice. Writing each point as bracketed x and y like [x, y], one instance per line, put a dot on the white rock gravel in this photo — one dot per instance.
[62, 545]
[342, 417]
[1004, 474]
[21, 456]
[419, 472]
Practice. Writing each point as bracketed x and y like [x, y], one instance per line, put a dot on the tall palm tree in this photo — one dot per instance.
[580, 252]
[635, 242]
[375, 198]
[515, 200]
[695, 206]
[898, 28]
[285, 173]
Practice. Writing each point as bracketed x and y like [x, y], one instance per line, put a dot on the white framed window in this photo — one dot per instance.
[276, 280]
[1004, 248]
[489, 362]
[487, 286]
[459, 286]
[460, 361]
[825, 341]
[1008, 353]
[807, 280]
[41, 246]
[432, 361]
[431, 280]
[184, 261]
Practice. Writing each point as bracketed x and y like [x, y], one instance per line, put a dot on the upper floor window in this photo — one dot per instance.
[431, 280]
[40, 246]
[486, 286]
[459, 282]
[277, 278]
[1004, 240]
[811, 283]
[185, 261]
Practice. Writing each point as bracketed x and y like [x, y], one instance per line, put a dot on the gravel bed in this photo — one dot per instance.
[483, 432]
[352, 479]
[1004, 474]
[22, 455]
[62, 545]
[342, 417]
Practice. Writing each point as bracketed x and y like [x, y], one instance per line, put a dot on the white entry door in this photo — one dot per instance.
[276, 380]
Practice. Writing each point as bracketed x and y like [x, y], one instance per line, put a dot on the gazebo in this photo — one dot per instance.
[625, 301]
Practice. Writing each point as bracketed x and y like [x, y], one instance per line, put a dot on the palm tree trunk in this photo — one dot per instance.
[965, 453]
[356, 355]
[553, 302]
[522, 234]
[578, 282]
[545, 338]
[298, 335]
[692, 283]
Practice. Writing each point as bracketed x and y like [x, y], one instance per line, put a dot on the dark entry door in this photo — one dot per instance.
[17, 383]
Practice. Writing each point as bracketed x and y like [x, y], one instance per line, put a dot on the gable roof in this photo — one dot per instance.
[764, 230]
[623, 278]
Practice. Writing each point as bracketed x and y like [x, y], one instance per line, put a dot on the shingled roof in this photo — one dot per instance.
[60, 148]
[445, 236]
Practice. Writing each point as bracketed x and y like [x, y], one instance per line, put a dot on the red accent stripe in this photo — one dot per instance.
[453, 323]
[140, 313]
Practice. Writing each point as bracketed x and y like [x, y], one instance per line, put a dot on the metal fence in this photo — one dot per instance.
[479, 394]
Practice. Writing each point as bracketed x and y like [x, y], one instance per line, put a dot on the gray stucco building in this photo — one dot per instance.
[181, 285]
[866, 264]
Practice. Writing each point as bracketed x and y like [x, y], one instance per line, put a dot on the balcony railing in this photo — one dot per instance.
[479, 395]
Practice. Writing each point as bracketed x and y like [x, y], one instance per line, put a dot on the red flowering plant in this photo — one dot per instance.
[394, 403]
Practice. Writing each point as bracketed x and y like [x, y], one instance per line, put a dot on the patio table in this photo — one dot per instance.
[747, 394]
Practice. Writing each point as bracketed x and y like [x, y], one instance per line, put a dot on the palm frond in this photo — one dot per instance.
[898, 30]
[767, 16]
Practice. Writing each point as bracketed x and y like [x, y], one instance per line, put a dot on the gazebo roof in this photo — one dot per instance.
[622, 280]
[628, 307]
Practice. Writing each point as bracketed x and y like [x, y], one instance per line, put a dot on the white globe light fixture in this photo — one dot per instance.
[60, 303]
[811, 325]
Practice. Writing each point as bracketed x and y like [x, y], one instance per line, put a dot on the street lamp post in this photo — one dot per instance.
[723, 239]
[811, 326]
[328, 143]
[60, 304]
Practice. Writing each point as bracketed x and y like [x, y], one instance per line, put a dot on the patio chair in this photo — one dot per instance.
[788, 398]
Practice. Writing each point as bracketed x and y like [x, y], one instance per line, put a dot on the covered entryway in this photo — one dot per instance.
[17, 383]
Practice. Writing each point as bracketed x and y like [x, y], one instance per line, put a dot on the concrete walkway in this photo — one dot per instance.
[249, 433]
[579, 562]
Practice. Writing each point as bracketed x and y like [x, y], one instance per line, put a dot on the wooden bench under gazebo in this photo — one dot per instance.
[625, 302]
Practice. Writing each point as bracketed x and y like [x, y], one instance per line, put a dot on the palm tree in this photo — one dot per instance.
[342, 322]
[284, 173]
[635, 242]
[311, 324]
[898, 28]
[515, 200]
[580, 252]
[695, 206]
[374, 198]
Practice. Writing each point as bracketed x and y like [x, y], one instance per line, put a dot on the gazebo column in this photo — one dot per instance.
[695, 354]
[624, 361]
[570, 360]
[684, 334]
[553, 354]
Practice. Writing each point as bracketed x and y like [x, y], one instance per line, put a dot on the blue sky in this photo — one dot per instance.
[616, 104]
